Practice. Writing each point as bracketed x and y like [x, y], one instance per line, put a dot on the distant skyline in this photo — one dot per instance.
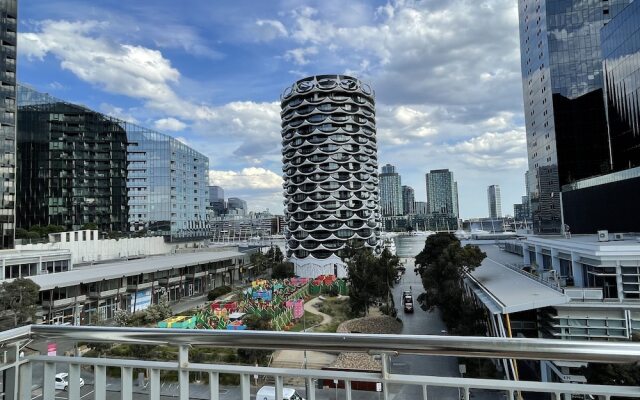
[446, 75]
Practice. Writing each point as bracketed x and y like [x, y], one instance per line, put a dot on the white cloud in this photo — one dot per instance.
[247, 178]
[169, 124]
[118, 112]
[300, 55]
[270, 29]
[496, 151]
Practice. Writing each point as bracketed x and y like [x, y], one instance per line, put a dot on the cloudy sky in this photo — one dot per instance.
[446, 76]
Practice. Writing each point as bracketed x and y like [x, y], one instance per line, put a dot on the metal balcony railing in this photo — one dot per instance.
[19, 370]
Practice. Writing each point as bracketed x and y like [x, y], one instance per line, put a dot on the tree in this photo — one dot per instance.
[20, 298]
[274, 255]
[443, 265]
[90, 225]
[259, 260]
[370, 278]
[282, 270]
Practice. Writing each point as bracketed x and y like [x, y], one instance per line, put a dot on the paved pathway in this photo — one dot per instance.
[311, 307]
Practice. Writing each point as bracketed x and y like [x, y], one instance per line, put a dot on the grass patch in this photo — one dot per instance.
[338, 309]
[307, 321]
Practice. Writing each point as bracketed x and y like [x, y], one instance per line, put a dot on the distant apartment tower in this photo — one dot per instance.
[71, 165]
[167, 186]
[216, 200]
[408, 200]
[236, 206]
[562, 80]
[421, 208]
[390, 191]
[8, 47]
[330, 171]
[494, 201]
[442, 192]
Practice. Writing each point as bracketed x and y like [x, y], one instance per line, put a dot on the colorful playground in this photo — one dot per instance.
[281, 300]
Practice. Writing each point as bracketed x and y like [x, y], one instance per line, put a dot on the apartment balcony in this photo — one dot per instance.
[32, 376]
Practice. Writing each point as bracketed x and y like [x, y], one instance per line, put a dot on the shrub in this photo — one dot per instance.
[217, 292]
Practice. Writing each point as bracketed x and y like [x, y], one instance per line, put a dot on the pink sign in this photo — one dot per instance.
[52, 349]
[298, 307]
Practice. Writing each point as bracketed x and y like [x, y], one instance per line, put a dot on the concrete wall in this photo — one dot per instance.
[85, 251]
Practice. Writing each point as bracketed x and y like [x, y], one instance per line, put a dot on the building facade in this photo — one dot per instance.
[167, 186]
[72, 165]
[8, 47]
[442, 192]
[408, 200]
[390, 191]
[330, 169]
[621, 53]
[494, 201]
[237, 206]
[562, 81]
[421, 207]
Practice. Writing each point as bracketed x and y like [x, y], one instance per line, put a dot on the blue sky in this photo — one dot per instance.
[446, 75]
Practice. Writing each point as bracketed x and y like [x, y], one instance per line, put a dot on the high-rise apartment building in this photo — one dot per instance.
[563, 98]
[494, 201]
[421, 207]
[442, 192]
[71, 165]
[236, 206]
[408, 200]
[167, 186]
[330, 171]
[390, 191]
[8, 46]
[216, 200]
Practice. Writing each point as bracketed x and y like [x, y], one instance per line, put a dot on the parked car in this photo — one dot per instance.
[407, 301]
[62, 381]
[269, 393]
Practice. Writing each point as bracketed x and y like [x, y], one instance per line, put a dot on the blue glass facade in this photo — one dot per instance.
[562, 83]
[167, 186]
[621, 53]
[8, 29]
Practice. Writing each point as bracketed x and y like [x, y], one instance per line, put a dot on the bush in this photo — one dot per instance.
[217, 292]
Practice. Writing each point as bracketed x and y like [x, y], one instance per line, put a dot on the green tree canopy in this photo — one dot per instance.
[282, 270]
[370, 278]
[19, 298]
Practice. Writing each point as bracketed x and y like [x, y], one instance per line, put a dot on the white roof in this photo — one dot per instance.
[505, 291]
[120, 269]
[265, 390]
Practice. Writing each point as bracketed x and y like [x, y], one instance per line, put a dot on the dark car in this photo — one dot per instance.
[407, 301]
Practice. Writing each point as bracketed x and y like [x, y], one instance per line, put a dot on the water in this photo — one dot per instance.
[409, 246]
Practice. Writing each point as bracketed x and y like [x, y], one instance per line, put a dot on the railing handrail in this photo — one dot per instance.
[465, 346]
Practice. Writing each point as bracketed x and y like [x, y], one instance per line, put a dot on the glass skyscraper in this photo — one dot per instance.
[71, 165]
[8, 32]
[621, 53]
[442, 193]
[494, 201]
[563, 98]
[167, 186]
[408, 200]
[390, 191]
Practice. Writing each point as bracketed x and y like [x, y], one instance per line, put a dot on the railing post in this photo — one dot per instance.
[24, 377]
[183, 374]
[48, 385]
[385, 375]
[126, 383]
[279, 387]
[154, 384]
[74, 382]
[347, 389]
[424, 392]
[245, 387]
[311, 393]
[214, 385]
[100, 382]
[10, 375]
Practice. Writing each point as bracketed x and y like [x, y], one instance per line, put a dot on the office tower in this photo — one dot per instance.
[421, 207]
[167, 185]
[216, 200]
[236, 206]
[442, 192]
[408, 200]
[494, 201]
[390, 191]
[563, 97]
[621, 53]
[8, 45]
[330, 170]
[610, 202]
[71, 165]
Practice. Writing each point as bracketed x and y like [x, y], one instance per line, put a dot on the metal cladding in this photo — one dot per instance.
[330, 166]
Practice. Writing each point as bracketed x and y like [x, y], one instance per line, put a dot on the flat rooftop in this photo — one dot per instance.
[120, 269]
[506, 291]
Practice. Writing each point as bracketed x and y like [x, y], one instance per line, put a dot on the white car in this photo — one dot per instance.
[62, 381]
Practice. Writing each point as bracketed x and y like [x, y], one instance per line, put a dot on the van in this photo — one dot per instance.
[269, 393]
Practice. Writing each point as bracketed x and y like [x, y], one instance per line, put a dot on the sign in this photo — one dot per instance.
[140, 300]
[378, 386]
[462, 368]
[52, 349]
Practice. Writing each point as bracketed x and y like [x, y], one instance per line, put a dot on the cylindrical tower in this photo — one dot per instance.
[330, 171]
